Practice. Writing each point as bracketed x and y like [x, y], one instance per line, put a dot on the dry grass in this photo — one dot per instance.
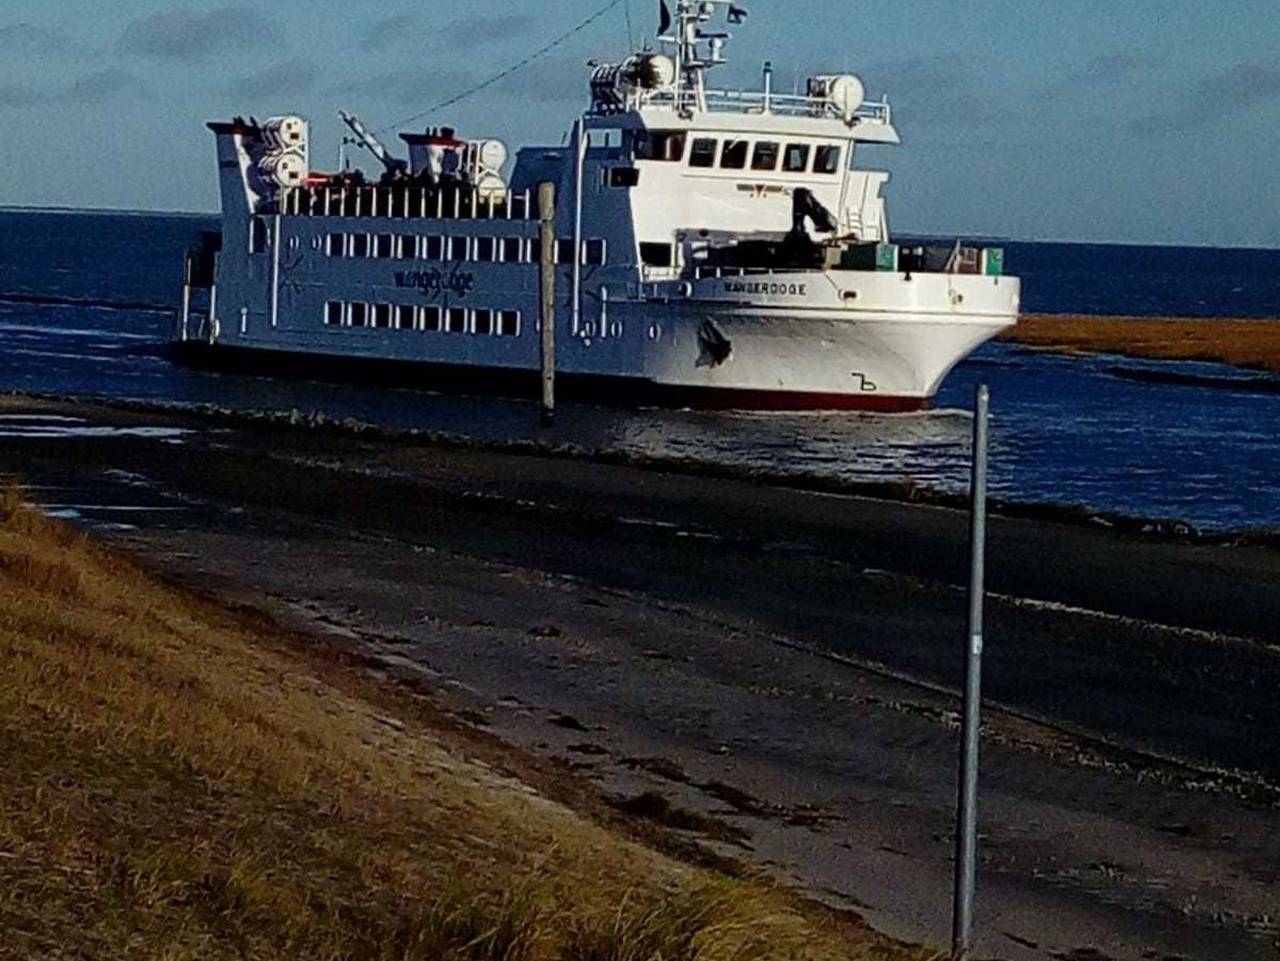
[176, 784]
[1245, 343]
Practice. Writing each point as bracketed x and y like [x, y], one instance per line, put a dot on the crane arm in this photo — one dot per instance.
[372, 143]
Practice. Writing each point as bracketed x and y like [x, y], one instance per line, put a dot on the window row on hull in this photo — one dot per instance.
[483, 321]
[505, 250]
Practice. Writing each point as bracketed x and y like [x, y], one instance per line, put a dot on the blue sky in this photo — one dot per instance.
[1079, 119]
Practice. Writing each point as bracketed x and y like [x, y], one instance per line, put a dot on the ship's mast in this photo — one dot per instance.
[687, 36]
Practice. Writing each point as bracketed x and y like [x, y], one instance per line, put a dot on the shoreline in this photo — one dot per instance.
[1247, 343]
[779, 661]
[317, 784]
[1155, 529]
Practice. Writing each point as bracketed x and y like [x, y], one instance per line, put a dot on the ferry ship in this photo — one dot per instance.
[711, 248]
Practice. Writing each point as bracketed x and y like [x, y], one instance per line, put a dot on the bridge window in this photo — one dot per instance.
[826, 159]
[660, 145]
[335, 244]
[608, 138]
[357, 245]
[383, 245]
[458, 248]
[733, 156]
[428, 318]
[382, 315]
[334, 313]
[564, 251]
[593, 252]
[405, 316]
[656, 255]
[482, 321]
[407, 247]
[765, 156]
[796, 158]
[623, 176]
[703, 153]
[359, 316]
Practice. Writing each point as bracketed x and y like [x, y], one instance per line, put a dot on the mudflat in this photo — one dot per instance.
[1253, 344]
[781, 660]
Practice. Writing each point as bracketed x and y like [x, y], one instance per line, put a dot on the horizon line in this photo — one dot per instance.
[926, 234]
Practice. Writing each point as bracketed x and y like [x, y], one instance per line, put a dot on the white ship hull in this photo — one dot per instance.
[806, 346]
[714, 249]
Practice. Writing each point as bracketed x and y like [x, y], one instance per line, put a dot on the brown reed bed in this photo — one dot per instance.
[181, 781]
[1253, 344]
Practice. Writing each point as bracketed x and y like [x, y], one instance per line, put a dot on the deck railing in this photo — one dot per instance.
[750, 102]
[789, 105]
[408, 203]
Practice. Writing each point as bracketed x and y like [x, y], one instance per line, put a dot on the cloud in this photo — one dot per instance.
[408, 85]
[1243, 85]
[1215, 97]
[31, 39]
[938, 91]
[96, 87]
[554, 80]
[20, 95]
[491, 31]
[197, 36]
[388, 31]
[102, 85]
[458, 35]
[1156, 125]
[1104, 70]
[290, 78]
[1110, 68]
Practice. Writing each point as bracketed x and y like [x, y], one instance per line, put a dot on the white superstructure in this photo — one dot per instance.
[715, 248]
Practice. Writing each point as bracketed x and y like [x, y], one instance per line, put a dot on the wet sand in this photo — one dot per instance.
[1253, 344]
[782, 660]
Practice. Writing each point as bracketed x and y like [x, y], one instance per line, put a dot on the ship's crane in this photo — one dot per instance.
[394, 165]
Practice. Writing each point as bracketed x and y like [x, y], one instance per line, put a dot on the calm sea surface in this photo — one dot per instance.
[1065, 431]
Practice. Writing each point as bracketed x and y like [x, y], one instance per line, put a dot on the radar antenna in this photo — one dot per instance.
[697, 49]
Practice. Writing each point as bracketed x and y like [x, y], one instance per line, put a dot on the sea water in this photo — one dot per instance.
[87, 304]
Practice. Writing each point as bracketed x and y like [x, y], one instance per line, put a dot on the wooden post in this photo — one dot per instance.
[547, 258]
[186, 298]
[580, 154]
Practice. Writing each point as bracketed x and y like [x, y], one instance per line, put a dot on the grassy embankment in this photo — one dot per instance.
[181, 781]
[1245, 343]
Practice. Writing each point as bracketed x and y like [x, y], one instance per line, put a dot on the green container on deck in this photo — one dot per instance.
[869, 257]
[993, 261]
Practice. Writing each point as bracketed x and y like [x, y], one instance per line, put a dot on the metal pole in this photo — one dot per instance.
[275, 275]
[547, 257]
[967, 813]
